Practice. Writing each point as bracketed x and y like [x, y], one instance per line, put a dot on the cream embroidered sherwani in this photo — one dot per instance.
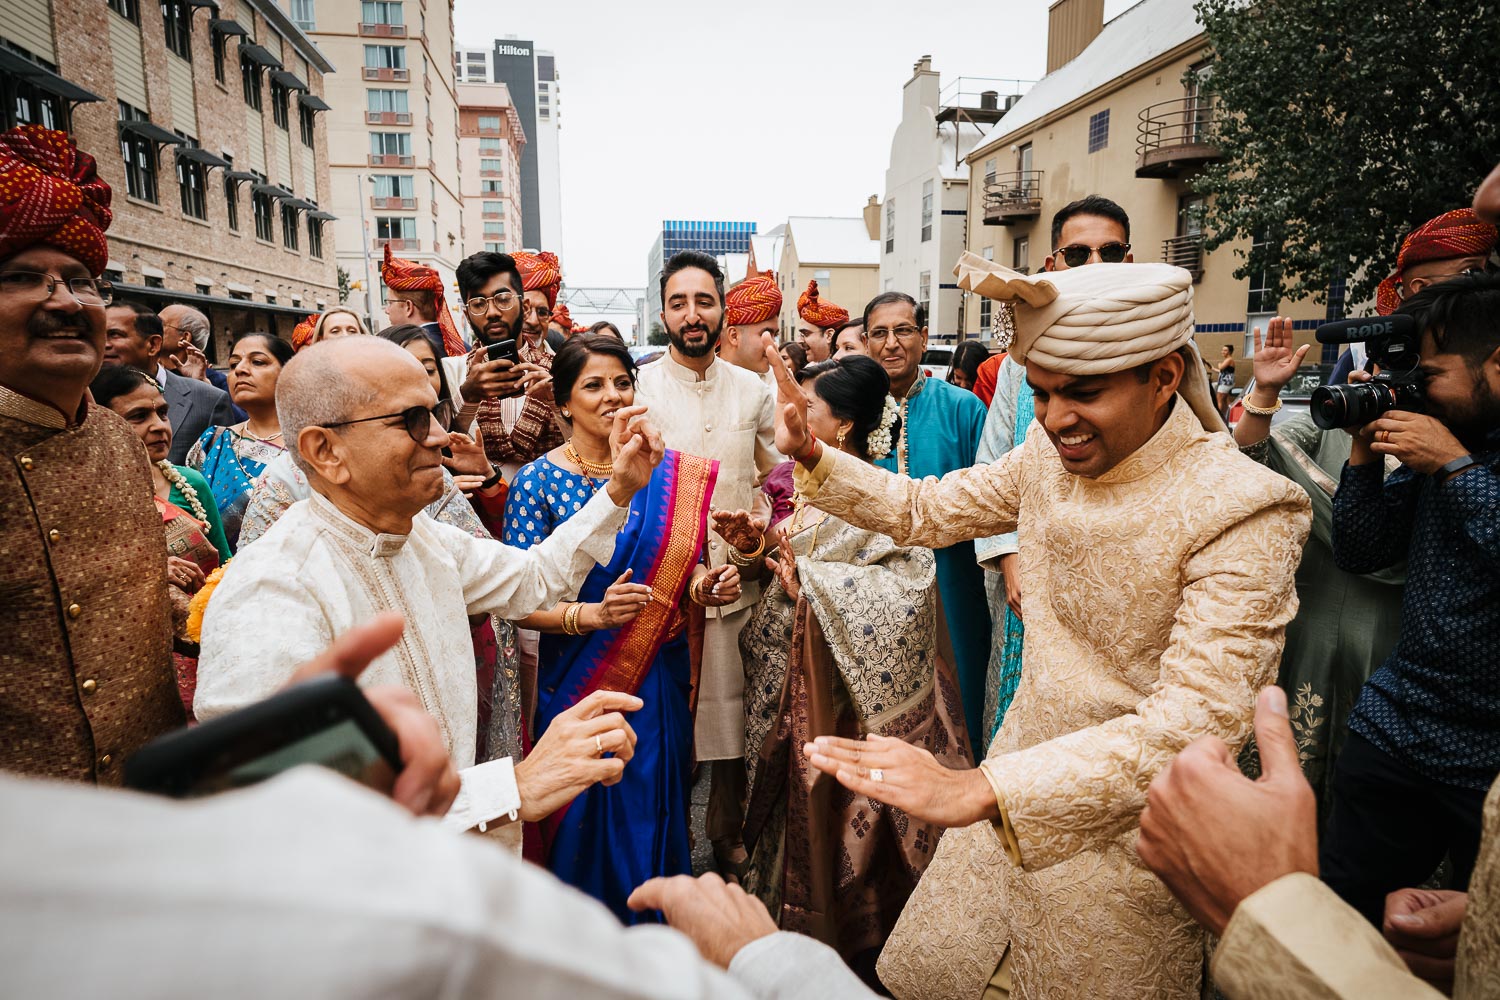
[1160, 594]
[1296, 940]
[316, 573]
[726, 414]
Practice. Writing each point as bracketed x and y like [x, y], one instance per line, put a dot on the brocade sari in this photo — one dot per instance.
[231, 462]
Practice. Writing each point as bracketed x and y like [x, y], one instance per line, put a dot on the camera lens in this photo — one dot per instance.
[1349, 405]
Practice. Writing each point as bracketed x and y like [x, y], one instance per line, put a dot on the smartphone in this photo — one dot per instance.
[504, 350]
[325, 721]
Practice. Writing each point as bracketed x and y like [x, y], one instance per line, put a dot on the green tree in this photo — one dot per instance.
[657, 336]
[1345, 125]
[343, 286]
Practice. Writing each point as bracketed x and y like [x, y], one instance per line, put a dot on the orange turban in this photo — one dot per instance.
[540, 271]
[1458, 233]
[408, 276]
[302, 333]
[819, 313]
[754, 300]
[562, 317]
[50, 193]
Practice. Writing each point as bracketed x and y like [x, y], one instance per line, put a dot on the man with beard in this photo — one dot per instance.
[1424, 742]
[511, 404]
[817, 318]
[86, 672]
[705, 406]
[750, 312]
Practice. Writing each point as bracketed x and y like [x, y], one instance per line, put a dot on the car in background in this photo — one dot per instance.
[936, 360]
[1296, 395]
[644, 354]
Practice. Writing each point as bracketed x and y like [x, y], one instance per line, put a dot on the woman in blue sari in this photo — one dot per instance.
[624, 633]
[232, 458]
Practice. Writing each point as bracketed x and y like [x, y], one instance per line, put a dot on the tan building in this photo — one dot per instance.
[841, 254]
[393, 133]
[490, 140]
[204, 119]
[1118, 114]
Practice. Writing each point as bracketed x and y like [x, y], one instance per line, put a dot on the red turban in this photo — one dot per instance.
[302, 333]
[540, 271]
[819, 313]
[1458, 233]
[408, 276]
[562, 317]
[754, 300]
[51, 194]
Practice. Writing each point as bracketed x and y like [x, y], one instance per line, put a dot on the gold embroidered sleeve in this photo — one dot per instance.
[1084, 788]
[1295, 940]
[970, 503]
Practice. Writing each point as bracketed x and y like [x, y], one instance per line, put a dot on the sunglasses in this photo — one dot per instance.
[416, 419]
[1078, 255]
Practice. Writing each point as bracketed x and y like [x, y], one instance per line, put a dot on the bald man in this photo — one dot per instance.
[358, 412]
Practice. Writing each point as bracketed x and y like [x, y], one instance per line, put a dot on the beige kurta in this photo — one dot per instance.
[1157, 596]
[1296, 940]
[726, 414]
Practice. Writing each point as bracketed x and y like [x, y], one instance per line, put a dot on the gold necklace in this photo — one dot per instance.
[596, 470]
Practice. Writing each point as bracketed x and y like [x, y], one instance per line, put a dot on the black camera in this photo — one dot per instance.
[1393, 343]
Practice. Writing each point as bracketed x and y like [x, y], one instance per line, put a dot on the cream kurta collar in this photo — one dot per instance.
[378, 546]
[683, 373]
[1180, 430]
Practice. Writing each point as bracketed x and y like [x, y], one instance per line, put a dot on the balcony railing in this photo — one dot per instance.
[493, 133]
[397, 244]
[491, 173]
[387, 117]
[406, 204]
[1174, 137]
[1013, 197]
[382, 30]
[1185, 252]
[492, 215]
[387, 74]
[391, 160]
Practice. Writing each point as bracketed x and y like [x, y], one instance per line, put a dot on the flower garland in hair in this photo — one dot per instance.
[880, 441]
[189, 494]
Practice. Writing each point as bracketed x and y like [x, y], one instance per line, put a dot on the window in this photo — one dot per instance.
[495, 247]
[385, 56]
[490, 144]
[307, 124]
[381, 12]
[192, 185]
[22, 102]
[152, 281]
[490, 187]
[261, 201]
[989, 170]
[489, 166]
[139, 154]
[494, 230]
[303, 15]
[489, 123]
[231, 197]
[393, 186]
[288, 227]
[279, 105]
[239, 296]
[493, 208]
[924, 292]
[986, 306]
[927, 211]
[1261, 298]
[388, 100]
[890, 226]
[1020, 259]
[130, 10]
[1098, 130]
[395, 228]
[315, 237]
[390, 143]
[250, 72]
[177, 18]
[219, 42]
[1023, 164]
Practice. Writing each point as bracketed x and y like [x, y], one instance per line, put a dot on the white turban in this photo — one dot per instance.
[1099, 319]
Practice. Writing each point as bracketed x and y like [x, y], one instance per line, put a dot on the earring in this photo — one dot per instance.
[842, 434]
[567, 415]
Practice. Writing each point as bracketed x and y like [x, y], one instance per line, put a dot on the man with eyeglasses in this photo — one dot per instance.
[940, 428]
[359, 413]
[87, 658]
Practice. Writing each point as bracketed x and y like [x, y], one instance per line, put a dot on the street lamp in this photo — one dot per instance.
[365, 240]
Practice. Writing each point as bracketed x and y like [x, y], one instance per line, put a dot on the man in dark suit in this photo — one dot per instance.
[185, 329]
[133, 337]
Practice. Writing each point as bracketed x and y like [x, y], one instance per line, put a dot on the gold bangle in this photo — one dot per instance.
[570, 619]
[745, 559]
[1259, 411]
[696, 587]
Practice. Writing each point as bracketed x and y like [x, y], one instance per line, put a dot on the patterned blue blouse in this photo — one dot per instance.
[544, 495]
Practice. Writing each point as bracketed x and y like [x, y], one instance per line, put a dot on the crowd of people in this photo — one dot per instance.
[1031, 681]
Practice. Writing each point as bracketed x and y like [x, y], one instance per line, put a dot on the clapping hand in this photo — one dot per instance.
[1276, 360]
[536, 381]
[739, 529]
[467, 456]
[717, 588]
[622, 603]
[785, 567]
[637, 449]
[569, 757]
[791, 411]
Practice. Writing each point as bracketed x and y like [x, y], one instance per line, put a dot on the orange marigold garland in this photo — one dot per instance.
[199, 604]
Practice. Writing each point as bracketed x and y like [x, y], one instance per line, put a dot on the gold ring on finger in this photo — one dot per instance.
[600, 744]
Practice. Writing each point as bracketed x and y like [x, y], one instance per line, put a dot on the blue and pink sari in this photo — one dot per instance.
[608, 841]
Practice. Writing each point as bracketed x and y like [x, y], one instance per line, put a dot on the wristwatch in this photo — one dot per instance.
[1453, 468]
[488, 483]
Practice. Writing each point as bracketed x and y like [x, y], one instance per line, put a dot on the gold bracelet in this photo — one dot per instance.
[1259, 411]
[743, 559]
[570, 619]
[695, 588]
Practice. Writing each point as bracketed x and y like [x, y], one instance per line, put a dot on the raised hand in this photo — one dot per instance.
[622, 603]
[194, 363]
[536, 381]
[468, 458]
[1276, 360]
[739, 529]
[570, 755]
[791, 412]
[637, 449]
[911, 779]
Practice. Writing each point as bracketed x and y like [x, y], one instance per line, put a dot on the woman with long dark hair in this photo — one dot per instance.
[967, 357]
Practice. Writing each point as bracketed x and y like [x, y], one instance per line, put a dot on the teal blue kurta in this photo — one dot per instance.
[940, 433]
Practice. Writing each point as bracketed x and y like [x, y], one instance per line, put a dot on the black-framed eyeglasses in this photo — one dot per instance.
[479, 303]
[1078, 254]
[39, 286]
[417, 420]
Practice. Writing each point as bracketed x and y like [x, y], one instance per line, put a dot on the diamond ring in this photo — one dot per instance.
[876, 774]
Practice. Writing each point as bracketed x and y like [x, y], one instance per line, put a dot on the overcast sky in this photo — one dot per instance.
[751, 111]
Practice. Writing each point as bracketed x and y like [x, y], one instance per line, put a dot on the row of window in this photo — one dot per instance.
[890, 217]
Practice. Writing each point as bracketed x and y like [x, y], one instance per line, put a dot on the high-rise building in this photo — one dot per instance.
[490, 143]
[530, 74]
[394, 130]
[205, 123]
[713, 238]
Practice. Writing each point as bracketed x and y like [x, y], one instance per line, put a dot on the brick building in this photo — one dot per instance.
[204, 117]
[490, 141]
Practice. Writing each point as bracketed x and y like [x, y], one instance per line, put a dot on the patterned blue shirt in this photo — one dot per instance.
[543, 496]
[1434, 704]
